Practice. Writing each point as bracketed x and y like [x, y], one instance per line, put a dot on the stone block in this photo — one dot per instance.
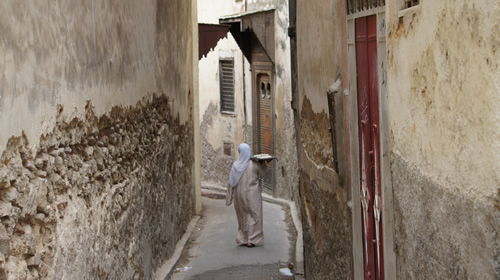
[44, 157]
[33, 260]
[9, 194]
[2, 264]
[39, 218]
[100, 164]
[30, 166]
[11, 266]
[39, 163]
[88, 152]
[4, 240]
[41, 174]
[91, 141]
[5, 208]
[43, 269]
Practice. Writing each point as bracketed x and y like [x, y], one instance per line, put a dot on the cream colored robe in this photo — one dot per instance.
[248, 204]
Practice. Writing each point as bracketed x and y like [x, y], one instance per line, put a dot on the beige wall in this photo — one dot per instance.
[284, 137]
[326, 216]
[444, 84]
[95, 100]
[439, 130]
[218, 128]
[53, 58]
[444, 105]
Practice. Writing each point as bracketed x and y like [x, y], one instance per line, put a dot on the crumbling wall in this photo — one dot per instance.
[327, 232]
[326, 217]
[104, 197]
[215, 164]
[325, 214]
[443, 99]
[97, 150]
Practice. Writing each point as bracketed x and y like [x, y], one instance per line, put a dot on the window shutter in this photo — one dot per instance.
[226, 70]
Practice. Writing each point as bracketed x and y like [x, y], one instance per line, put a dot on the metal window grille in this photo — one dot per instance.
[226, 70]
[356, 6]
[410, 3]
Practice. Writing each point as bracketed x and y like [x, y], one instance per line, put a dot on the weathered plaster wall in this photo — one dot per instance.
[444, 81]
[53, 55]
[95, 101]
[326, 216]
[217, 128]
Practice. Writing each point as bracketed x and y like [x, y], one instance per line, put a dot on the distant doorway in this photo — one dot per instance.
[265, 123]
[263, 108]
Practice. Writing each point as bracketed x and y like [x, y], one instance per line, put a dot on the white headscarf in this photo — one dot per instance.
[240, 165]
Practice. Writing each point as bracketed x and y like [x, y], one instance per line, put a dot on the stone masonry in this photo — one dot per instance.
[101, 198]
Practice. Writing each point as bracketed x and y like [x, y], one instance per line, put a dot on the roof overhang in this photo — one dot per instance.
[249, 25]
[209, 35]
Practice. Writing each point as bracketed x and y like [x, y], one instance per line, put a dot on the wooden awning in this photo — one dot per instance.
[249, 25]
[209, 35]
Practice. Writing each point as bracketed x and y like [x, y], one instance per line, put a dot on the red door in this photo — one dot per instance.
[369, 148]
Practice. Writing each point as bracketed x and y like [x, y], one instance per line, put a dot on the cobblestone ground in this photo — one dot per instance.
[244, 272]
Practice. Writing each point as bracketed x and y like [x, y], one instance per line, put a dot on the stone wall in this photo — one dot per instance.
[97, 166]
[104, 196]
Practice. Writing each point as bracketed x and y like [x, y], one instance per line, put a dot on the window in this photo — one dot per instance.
[410, 3]
[408, 7]
[356, 6]
[226, 75]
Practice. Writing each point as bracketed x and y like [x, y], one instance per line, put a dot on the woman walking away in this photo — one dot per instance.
[244, 187]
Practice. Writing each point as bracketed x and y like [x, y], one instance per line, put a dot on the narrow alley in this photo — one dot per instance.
[370, 130]
[212, 253]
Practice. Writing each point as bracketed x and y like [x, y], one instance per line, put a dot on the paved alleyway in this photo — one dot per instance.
[212, 253]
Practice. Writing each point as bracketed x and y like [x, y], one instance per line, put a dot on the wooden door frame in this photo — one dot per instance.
[256, 71]
[386, 179]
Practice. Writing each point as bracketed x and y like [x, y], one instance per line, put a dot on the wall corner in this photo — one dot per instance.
[196, 111]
